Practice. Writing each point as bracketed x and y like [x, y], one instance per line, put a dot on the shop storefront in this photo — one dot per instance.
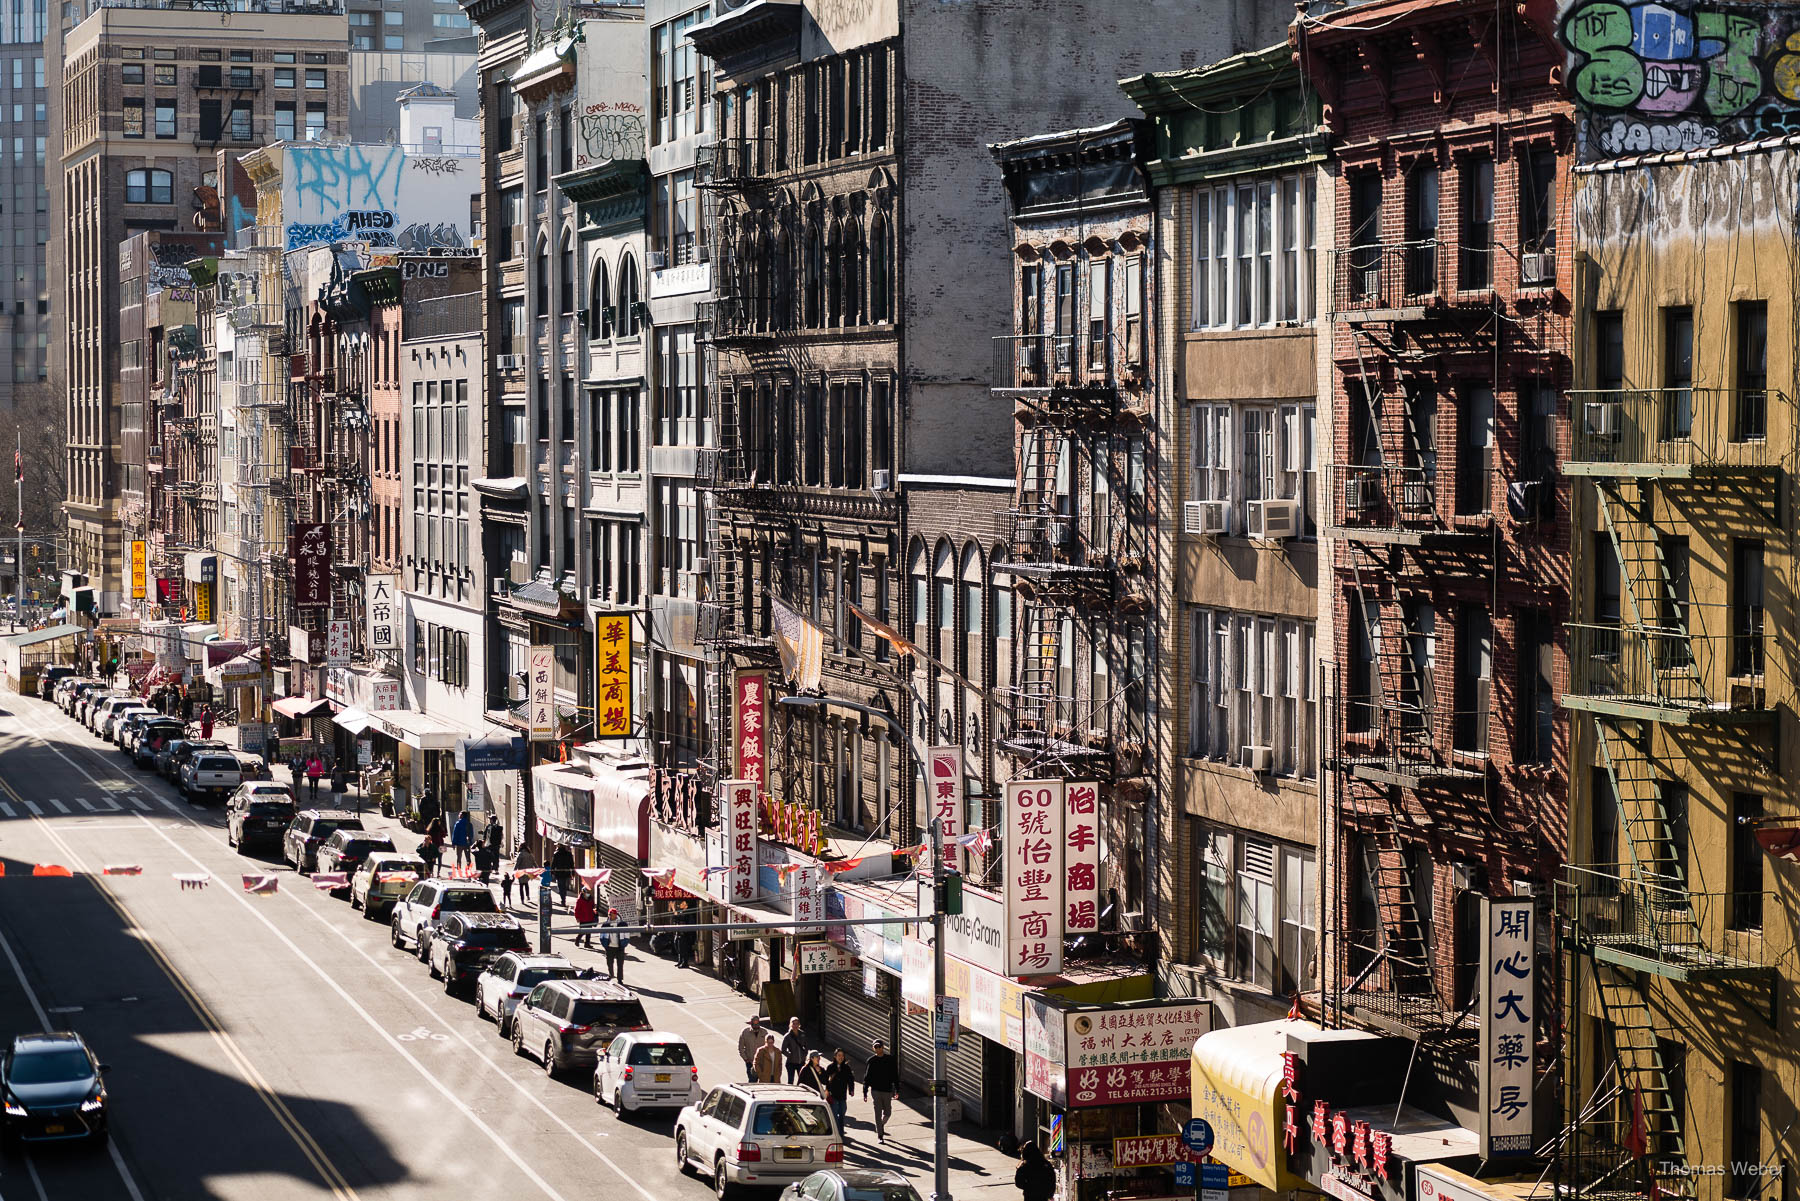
[423, 754]
[601, 811]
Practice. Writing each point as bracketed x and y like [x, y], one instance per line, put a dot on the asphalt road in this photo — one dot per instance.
[266, 1047]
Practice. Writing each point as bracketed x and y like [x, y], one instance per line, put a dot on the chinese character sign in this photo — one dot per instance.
[612, 675]
[383, 695]
[1034, 877]
[309, 546]
[946, 799]
[1132, 1053]
[1508, 1025]
[540, 692]
[805, 893]
[137, 570]
[740, 840]
[1081, 857]
[337, 643]
[752, 713]
[383, 611]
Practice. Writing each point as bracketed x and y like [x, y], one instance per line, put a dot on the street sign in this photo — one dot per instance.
[948, 1010]
[1198, 1135]
[1215, 1182]
[1184, 1175]
[365, 752]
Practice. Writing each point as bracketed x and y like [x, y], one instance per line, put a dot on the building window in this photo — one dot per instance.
[165, 118]
[1678, 373]
[149, 186]
[129, 73]
[565, 284]
[1255, 901]
[284, 77]
[600, 310]
[1254, 254]
[1750, 410]
[1476, 204]
[239, 124]
[1746, 862]
[1210, 478]
[1537, 201]
[284, 122]
[1473, 680]
[1747, 607]
[680, 79]
[1422, 194]
[1099, 313]
[680, 411]
[315, 122]
[1535, 635]
[1250, 691]
[627, 321]
[133, 118]
[678, 545]
[315, 79]
[1744, 1080]
[1132, 306]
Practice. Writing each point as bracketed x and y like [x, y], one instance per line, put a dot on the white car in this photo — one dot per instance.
[757, 1134]
[499, 989]
[419, 912]
[647, 1069]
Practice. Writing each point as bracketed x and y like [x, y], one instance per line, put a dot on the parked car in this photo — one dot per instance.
[762, 1134]
[50, 676]
[113, 727]
[84, 713]
[423, 908]
[209, 776]
[308, 832]
[381, 880]
[852, 1184]
[150, 739]
[257, 815]
[567, 1023]
[103, 709]
[72, 688]
[347, 847]
[508, 978]
[52, 1089]
[183, 750]
[467, 942]
[647, 1069]
[254, 767]
[128, 724]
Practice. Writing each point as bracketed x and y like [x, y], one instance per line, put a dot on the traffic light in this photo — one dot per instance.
[949, 893]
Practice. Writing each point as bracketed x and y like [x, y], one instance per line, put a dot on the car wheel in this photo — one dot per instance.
[721, 1186]
[518, 1039]
[370, 914]
[682, 1164]
[619, 1105]
[431, 969]
[354, 903]
[551, 1067]
[424, 947]
[394, 932]
[506, 1024]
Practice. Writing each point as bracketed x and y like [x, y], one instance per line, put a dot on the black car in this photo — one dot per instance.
[49, 676]
[308, 833]
[52, 1088]
[467, 942]
[257, 815]
[346, 849]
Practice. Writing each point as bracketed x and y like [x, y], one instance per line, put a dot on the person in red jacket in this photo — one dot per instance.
[586, 913]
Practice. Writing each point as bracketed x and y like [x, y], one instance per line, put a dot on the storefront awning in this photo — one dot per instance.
[302, 706]
[491, 752]
[1236, 1080]
[354, 720]
[420, 731]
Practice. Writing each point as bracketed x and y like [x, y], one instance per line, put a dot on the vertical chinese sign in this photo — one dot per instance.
[740, 840]
[1508, 1025]
[1034, 877]
[1081, 857]
[946, 764]
[751, 715]
[540, 690]
[309, 546]
[383, 631]
[337, 643]
[807, 898]
[612, 675]
[138, 570]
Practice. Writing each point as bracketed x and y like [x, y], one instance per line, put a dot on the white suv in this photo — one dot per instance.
[422, 910]
[760, 1134]
[500, 988]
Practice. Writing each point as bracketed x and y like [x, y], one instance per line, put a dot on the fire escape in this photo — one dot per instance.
[1659, 676]
[1404, 524]
[259, 315]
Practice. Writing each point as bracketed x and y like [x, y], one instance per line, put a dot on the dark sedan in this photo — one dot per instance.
[52, 1089]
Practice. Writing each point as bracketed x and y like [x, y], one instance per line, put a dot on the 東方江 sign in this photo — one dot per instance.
[1508, 1026]
[1081, 857]
[946, 767]
[1033, 843]
[540, 684]
[383, 629]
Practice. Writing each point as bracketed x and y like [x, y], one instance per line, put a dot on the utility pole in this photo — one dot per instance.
[19, 562]
[940, 1084]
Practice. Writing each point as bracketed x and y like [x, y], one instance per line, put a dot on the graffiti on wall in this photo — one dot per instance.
[1687, 75]
[378, 195]
[610, 130]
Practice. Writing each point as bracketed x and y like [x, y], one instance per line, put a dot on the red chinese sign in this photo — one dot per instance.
[1081, 857]
[1151, 1151]
[946, 763]
[752, 712]
[740, 840]
[1128, 1084]
[1034, 877]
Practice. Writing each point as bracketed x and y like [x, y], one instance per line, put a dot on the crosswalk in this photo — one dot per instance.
[79, 806]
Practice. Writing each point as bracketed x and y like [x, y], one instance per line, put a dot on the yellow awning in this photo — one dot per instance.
[1237, 1088]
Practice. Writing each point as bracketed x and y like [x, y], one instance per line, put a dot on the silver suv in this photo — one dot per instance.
[567, 1023]
[419, 913]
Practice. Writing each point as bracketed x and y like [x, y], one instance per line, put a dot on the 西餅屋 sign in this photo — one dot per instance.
[540, 694]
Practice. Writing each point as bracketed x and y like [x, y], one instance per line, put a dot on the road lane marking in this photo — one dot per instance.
[7, 809]
[36, 1179]
[35, 811]
[60, 807]
[112, 806]
[86, 804]
[139, 802]
[171, 806]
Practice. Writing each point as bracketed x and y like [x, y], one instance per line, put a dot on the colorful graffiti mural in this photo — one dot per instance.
[1681, 76]
[378, 195]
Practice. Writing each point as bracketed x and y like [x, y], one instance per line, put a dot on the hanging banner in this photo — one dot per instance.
[309, 546]
[807, 898]
[383, 612]
[612, 675]
[751, 713]
[1033, 843]
[1081, 857]
[1508, 1026]
[337, 642]
[138, 570]
[740, 841]
[203, 607]
[540, 675]
[946, 764]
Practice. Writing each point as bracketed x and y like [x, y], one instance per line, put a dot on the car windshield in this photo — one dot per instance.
[360, 847]
[533, 976]
[215, 763]
[510, 937]
[881, 1192]
[791, 1118]
[271, 809]
[325, 827]
[470, 900]
[661, 1055]
[612, 1014]
[50, 1067]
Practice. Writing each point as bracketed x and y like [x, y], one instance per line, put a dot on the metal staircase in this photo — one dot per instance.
[1648, 598]
[1403, 931]
[1643, 1081]
[1036, 689]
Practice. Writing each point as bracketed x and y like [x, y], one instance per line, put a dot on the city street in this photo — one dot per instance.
[277, 1047]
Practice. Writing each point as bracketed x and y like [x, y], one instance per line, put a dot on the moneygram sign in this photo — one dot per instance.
[977, 935]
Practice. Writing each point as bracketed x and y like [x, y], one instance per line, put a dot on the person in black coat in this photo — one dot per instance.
[1036, 1177]
[881, 1080]
[563, 864]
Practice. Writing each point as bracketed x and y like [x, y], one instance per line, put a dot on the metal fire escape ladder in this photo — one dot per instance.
[1646, 589]
[1403, 932]
[1658, 892]
[1644, 1081]
[1037, 667]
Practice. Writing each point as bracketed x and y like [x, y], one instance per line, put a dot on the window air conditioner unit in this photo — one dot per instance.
[1029, 356]
[1362, 493]
[1537, 269]
[519, 249]
[515, 687]
[509, 362]
[1601, 418]
[500, 585]
[1273, 520]
[703, 567]
[1065, 354]
[1259, 759]
[1204, 516]
[657, 259]
[1057, 532]
[883, 479]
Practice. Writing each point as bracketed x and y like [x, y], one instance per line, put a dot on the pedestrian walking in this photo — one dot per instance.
[492, 835]
[585, 915]
[340, 784]
[612, 941]
[686, 937]
[562, 862]
[768, 1061]
[315, 768]
[428, 808]
[462, 838]
[506, 879]
[812, 1073]
[840, 1082]
[1036, 1177]
[750, 1040]
[431, 847]
[523, 862]
[206, 722]
[486, 860]
[881, 1079]
[793, 1050]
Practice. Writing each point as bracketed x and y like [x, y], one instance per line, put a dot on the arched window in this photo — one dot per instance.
[600, 315]
[944, 599]
[745, 279]
[815, 278]
[565, 284]
[542, 263]
[852, 272]
[834, 279]
[1000, 625]
[881, 270]
[768, 271]
[626, 324]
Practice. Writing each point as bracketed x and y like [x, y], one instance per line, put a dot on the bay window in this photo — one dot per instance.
[1254, 254]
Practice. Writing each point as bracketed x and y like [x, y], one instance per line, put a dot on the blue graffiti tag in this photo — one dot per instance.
[330, 179]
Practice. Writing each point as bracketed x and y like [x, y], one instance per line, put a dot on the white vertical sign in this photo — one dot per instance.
[383, 612]
[337, 643]
[1508, 1025]
[740, 840]
[1033, 841]
[807, 897]
[946, 764]
[540, 688]
[1081, 857]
